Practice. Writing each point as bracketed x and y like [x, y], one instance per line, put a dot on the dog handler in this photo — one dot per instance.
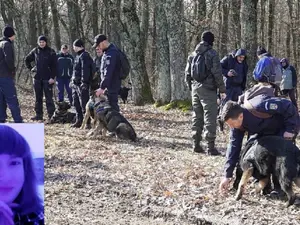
[260, 115]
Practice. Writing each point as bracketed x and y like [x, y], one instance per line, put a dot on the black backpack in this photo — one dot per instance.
[125, 65]
[199, 70]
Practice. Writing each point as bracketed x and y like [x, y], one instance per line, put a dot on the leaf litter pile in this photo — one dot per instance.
[158, 180]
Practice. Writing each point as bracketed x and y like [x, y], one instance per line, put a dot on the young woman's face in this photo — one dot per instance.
[11, 177]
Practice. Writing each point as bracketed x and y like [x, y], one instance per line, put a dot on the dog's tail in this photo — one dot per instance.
[125, 131]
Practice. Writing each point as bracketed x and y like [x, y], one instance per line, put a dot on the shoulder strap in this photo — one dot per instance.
[247, 105]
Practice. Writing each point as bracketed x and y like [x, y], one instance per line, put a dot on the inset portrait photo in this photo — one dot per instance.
[22, 174]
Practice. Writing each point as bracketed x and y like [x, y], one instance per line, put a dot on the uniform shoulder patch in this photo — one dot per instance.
[273, 106]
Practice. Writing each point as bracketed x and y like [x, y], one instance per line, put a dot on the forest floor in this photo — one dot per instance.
[158, 180]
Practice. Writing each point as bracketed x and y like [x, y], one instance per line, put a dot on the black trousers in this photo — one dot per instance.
[43, 87]
[80, 99]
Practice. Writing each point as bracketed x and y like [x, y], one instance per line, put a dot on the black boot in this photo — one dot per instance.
[77, 124]
[198, 148]
[211, 150]
[37, 117]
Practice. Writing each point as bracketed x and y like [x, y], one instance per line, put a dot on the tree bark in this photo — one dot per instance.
[32, 24]
[224, 28]
[95, 17]
[114, 12]
[56, 28]
[176, 36]
[163, 88]
[134, 48]
[262, 21]
[249, 31]
[271, 24]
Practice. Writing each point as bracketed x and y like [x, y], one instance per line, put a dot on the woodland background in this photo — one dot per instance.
[157, 35]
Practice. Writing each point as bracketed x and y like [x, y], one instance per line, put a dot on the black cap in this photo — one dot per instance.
[42, 38]
[78, 43]
[208, 37]
[261, 50]
[8, 31]
[98, 39]
[64, 46]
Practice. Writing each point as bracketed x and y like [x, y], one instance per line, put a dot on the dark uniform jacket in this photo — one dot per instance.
[215, 80]
[284, 117]
[230, 62]
[64, 65]
[83, 68]
[7, 58]
[45, 62]
[110, 70]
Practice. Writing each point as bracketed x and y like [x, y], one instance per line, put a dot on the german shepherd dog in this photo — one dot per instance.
[62, 114]
[271, 155]
[107, 119]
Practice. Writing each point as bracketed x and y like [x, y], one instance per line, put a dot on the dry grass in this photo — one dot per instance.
[158, 180]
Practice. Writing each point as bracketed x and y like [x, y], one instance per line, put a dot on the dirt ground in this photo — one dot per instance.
[157, 180]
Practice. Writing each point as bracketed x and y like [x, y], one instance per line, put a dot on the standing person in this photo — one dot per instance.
[45, 72]
[64, 73]
[110, 70]
[234, 70]
[81, 80]
[289, 80]
[203, 75]
[8, 90]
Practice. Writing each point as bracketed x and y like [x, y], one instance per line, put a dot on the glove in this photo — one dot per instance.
[233, 72]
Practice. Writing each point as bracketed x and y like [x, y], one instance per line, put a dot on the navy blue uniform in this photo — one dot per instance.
[46, 68]
[8, 93]
[284, 118]
[81, 79]
[110, 74]
[234, 85]
[64, 74]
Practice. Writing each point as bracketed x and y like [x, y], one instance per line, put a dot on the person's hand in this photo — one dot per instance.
[224, 185]
[6, 214]
[288, 135]
[51, 81]
[230, 73]
[99, 92]
[223, 96]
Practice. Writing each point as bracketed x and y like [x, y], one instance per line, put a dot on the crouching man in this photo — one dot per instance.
[260, 115]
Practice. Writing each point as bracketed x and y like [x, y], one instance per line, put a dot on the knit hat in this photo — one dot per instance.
[261, 50]
[42, 38]
[78, 43]
[208, 37]
[98, 39]
[8, 31]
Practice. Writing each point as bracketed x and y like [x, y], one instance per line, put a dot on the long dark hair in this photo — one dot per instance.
[13, 143]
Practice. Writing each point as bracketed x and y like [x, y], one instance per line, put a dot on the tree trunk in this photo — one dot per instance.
[235, 35]
[262, 20]
[134, 48]
[145, 23]
[293, 30]
[288, 41]
[73, 23]
[163, 88]
[32, 25]
[114, 12]
[200, 19]
[249, 31]
[56, 28]
[6, 12]
[224, 29]
[37, 6]
[45, 18]
[271, 25]
[176, 36]
[94, 17]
